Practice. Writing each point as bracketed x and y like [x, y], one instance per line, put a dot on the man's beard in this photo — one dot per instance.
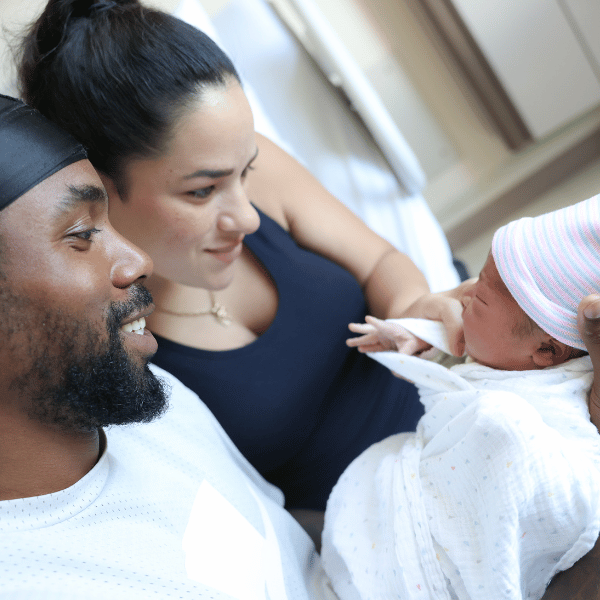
[78, 379]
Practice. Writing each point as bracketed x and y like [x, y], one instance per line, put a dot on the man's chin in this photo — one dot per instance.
[113, 390]
[144, 398]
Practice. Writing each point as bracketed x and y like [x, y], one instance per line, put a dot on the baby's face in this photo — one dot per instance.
[491, 317]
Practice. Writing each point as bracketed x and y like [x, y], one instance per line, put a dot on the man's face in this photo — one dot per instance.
[68, 285]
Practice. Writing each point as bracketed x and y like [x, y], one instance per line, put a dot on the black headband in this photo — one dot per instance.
[32, 148]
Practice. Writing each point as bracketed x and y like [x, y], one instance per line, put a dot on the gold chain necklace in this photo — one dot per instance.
[217, 310]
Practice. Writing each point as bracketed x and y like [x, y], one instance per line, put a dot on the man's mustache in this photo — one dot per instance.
[139, 298]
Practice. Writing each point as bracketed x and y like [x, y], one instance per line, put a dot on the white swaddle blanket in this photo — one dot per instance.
[497, 490]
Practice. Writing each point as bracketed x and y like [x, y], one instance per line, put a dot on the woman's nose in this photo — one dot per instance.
[239, 215]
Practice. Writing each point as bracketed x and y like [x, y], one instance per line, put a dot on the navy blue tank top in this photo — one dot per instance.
[297, 402]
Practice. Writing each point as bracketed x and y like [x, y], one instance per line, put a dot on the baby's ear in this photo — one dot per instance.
[551, 352]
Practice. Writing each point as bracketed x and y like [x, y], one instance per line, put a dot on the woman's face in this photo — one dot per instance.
[188, 209]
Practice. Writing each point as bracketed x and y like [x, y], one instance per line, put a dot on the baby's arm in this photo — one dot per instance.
[446, 307]
[380, 336]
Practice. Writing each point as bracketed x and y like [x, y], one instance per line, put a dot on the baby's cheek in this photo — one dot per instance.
[469, 323]
[477, 341]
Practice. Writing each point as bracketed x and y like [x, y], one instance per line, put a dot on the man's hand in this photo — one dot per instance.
[588, 320]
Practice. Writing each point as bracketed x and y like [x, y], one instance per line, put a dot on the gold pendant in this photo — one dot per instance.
[221, 314]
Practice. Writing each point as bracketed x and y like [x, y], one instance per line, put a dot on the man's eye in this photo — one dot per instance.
[87, 235]
[202, 193]
[81, 240]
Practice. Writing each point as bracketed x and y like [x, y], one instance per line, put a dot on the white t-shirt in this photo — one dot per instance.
[171, 510]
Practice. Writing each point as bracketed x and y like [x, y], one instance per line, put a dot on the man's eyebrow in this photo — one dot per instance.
[216, 173]
[79, 194]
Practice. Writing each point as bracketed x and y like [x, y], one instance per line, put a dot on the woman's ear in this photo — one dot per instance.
[551, 352]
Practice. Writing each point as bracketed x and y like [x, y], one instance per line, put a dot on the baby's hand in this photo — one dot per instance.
[445, 307]
[381, 336]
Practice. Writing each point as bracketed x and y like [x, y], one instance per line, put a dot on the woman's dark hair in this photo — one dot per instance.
[116, 75]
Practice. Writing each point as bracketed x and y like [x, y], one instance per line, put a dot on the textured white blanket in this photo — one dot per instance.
[497, 491]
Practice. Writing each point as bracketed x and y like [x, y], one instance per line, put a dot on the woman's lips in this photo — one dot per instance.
[226, 254]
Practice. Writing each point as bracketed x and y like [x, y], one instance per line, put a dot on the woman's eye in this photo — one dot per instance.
[203, 193]
[245, 171]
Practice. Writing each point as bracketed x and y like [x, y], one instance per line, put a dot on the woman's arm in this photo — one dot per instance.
[288, 193]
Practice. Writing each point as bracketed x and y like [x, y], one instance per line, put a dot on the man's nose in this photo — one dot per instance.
[130, 263]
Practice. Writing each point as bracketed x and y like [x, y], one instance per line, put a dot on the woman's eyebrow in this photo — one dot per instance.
[216, 173]
[211, 173]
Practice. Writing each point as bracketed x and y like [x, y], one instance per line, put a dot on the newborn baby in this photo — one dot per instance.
[499, 488]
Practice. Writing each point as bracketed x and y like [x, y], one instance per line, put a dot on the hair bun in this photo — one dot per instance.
[100, 6]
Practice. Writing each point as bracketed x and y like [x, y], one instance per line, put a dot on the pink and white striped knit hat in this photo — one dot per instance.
[550, 263]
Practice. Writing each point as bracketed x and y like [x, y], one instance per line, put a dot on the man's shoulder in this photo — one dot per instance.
[187, 422]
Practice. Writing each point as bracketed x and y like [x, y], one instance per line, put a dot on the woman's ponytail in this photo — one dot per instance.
[116, 75]
[44, 38]
[48, 33]
[108, 5]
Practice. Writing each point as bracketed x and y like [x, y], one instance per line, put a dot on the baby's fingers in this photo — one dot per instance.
[361, 328]
[399, 337]
[361, 339]
[369, 343]
[376, 347]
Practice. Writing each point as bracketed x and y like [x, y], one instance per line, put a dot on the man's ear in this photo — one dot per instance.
[551, 352]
